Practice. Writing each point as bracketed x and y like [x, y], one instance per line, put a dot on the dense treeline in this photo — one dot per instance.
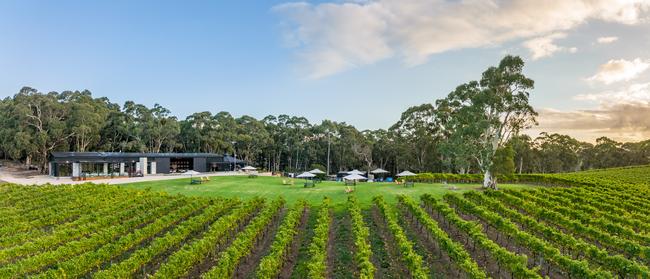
[33, 124]
[477, 128]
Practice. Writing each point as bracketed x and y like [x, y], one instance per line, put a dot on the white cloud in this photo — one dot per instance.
[635, 94]
[333, 37]
[620, 70]
[607, 40]
[545, 46]
[351, 36]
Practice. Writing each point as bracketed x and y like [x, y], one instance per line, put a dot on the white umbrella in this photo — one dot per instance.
[191, 173]
[406, 173]
[316, 171]
[354, 177]
[379, 171]
[249, 168]
[306, 175]
[357, 172]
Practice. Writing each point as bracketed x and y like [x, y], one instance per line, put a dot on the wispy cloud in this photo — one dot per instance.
[620, 70]
[606, 40]
[620, 114]
[337, 36]
[623, 122]
[545, 46]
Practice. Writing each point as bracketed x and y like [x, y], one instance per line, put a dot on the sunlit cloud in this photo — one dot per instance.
[545, 46]
[620, 70]
[336, 36]
[622, 122]
[622, 114]
[606, 40]
[633, 94]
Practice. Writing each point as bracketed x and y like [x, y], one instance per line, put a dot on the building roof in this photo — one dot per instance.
[134, 156]
[81, 155]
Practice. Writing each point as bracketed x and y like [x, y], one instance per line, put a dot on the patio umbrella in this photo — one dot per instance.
[316, 171]
[249, 168]
[354, 177]
[306, 175]
[191, 173]
[379, 172]
[406, 173]
[355, 171]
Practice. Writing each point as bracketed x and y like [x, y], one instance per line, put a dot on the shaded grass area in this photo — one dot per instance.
[271, 187]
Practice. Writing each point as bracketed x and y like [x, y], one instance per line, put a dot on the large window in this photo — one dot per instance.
[180, 164]
[92, 168]
[63, 169]
[97, 169]
[114, 168]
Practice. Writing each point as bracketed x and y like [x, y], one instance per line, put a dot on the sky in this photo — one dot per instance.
[355, 61]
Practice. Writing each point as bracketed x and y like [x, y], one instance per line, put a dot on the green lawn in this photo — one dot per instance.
[271, 187]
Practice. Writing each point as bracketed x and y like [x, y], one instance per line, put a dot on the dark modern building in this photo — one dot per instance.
[79, 164]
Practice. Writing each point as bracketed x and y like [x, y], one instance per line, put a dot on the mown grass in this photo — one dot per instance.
[271, 187]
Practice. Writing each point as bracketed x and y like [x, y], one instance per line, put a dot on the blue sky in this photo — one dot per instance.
[362, 62]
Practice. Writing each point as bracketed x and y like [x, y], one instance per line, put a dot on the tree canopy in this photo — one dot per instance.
[477, 128]
[481, 116]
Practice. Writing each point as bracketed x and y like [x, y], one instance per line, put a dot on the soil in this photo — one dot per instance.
[330, 247]
[385, 254]
[299, 270]
[247, 266]
[438, 262]
[212, 258]
[152, 266]
[17, 169]
[340, 260]
[480, 255]
[292, 256]
[146, 242]
[546, 268]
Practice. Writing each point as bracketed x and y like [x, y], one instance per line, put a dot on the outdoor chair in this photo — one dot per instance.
[196, 181]
[309, 184]
[409, 184]
[350, 183]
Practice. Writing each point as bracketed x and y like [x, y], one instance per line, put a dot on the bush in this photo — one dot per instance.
[543, 179]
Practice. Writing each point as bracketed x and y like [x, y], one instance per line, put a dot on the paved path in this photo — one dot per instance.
[45, 179]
